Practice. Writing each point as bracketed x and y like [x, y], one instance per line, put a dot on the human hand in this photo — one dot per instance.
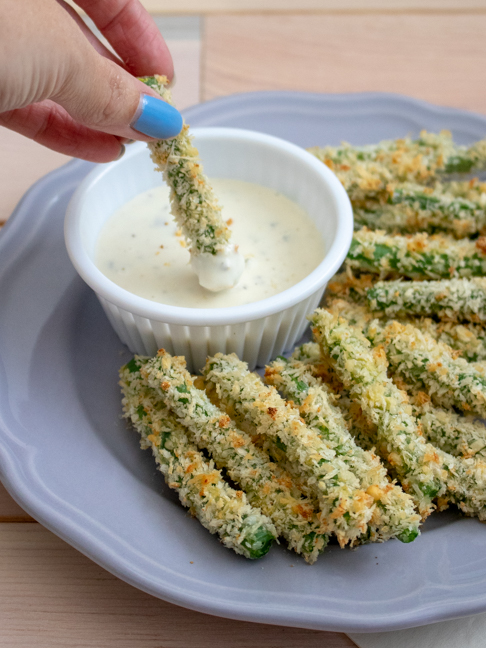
[62, 88]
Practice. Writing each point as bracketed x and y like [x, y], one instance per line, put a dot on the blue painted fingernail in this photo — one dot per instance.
[156, 118]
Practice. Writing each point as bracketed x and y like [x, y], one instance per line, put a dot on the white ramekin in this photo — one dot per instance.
[257, 332]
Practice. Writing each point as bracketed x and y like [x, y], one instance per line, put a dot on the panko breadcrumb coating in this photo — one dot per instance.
[418, 256]
[420, 360]
[408, 208]
[472, 189]
[266, 484]
[370, 170]
[345, 285]
[464, 478]
[467, 338]
[194, 205]
[217, 263]
[454, 300]
[200, 486]
[431, 366]
[461, 436]
[422, 470]
[394, 515]
[346, 507]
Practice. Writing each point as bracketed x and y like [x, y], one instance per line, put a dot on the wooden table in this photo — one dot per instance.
[51, 595]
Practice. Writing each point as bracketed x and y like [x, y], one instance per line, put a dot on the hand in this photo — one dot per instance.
[62, 88]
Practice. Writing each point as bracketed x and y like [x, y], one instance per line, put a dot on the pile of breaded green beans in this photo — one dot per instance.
[418, 248]
[402, 340]
[290, 468]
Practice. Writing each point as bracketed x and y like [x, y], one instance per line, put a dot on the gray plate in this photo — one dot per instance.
[69, 460]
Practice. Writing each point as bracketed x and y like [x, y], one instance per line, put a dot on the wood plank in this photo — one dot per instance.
[10, 511]
[305, 6]
[51, 595]
[437, 58]
[22, 162]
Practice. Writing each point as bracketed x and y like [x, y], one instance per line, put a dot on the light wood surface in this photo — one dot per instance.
[26, 162]
[310, 6]
[51, 595]
[437, 58]
[10, 511]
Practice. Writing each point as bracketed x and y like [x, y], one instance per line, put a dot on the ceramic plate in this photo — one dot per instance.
[72, 463]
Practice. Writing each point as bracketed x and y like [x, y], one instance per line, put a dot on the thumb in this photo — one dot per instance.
[101, 95]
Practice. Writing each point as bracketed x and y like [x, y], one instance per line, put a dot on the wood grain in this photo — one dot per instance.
[437, 58]
[51, 595]
[302, 6]
[10, 511]
[23, 163]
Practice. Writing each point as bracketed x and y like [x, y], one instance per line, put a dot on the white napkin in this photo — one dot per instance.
[469, 632]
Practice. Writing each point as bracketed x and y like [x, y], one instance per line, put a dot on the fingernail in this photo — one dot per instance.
[156, 118]
[121, 153]
[172, 83]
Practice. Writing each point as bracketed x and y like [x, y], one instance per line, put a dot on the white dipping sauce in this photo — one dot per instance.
[219, 271]
[141, 249]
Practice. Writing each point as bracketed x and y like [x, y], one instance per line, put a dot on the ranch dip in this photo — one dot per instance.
[141, 249]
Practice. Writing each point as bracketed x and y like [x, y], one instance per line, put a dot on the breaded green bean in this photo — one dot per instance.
[346, 286]
[194, 205]
[360, 427]
[453, 300]
[356, 314]
[395, 514]
[465, 440]
[274, 449]
[472, 190]
[201, 488]
[431, 366]
[418, 357]
[461, 436]
[346, 508]
[266, 485]
[368, 170]
[417, 256]
[409, 208]
[468, 338]
[422, 470]
[437, 152]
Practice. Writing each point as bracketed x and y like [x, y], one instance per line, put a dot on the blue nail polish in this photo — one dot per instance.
[156, 118]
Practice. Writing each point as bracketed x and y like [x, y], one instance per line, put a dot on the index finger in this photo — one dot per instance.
[133, 34]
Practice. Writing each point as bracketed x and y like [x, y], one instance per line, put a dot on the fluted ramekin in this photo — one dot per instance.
[258, 331]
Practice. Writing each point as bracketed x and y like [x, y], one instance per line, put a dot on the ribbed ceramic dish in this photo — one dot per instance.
[70, 461]
[257, 331]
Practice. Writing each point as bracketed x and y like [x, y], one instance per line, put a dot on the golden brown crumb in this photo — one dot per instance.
[481, 244]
